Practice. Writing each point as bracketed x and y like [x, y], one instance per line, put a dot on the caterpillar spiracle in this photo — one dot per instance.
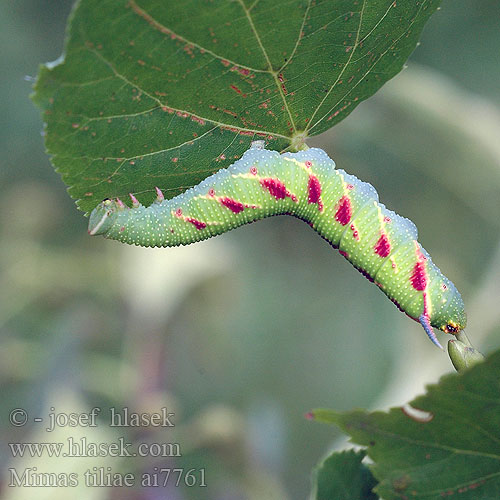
[342, 209]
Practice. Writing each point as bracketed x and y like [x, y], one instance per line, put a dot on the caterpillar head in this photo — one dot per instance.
[454, 320]
[103, 216]
[453, 327]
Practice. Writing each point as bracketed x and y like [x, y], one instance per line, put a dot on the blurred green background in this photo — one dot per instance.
[241, 335]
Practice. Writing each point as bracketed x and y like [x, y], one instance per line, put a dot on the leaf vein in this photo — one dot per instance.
[167, 31]
[369, 69]
[356, 44]
[178, 110]
[270, 66]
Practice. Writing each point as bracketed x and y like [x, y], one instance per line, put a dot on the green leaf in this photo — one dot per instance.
[163, 93]
[342, 476]
[446, 444]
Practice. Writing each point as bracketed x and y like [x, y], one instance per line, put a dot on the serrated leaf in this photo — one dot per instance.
[446, 444]
[163, 93]
[342, 476]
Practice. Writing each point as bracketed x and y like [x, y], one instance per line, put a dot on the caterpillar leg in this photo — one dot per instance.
[425, 322]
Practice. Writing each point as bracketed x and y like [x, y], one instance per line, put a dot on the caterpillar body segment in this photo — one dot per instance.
[342, 209]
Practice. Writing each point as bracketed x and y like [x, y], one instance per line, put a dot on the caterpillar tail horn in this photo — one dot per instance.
[424, 321]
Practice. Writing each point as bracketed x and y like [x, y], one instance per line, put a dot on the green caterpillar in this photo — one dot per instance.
[342, 209]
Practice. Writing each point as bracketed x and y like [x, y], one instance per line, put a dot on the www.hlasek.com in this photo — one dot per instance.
[84, 448]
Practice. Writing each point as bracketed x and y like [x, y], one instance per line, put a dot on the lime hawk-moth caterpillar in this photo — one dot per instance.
[342, 209]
